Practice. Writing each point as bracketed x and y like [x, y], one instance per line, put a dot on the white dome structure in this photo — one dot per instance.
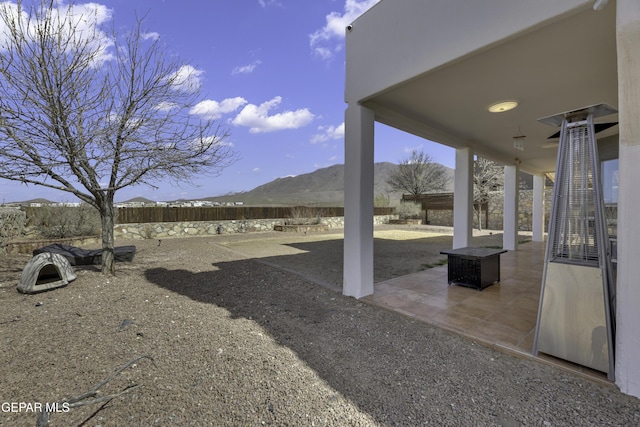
[45, 271]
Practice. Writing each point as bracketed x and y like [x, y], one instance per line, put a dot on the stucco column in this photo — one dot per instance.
[358, 202]
[463, 199]
[510, 218]
[537, 225]
[628, 285]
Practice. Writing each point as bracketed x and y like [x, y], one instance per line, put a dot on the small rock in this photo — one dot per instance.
[39, 303]
[125, 323]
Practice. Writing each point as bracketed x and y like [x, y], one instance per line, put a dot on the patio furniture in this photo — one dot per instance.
[473, 267]
[79, 256]
[576, 316]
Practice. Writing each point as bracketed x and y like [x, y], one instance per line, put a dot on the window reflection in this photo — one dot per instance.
[610, 194]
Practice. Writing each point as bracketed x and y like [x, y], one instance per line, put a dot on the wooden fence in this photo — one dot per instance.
[143, 215]
[442, 202]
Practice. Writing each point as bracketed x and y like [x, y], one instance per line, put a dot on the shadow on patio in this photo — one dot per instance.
[502, 316]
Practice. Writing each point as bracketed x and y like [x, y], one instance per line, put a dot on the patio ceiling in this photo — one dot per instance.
[561, 66]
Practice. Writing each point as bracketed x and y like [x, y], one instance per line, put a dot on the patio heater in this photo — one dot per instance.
[577, 300]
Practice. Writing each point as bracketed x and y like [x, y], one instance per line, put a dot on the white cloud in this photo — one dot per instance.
[10, 9]
[256, 170]
[150, 36]
[84, 20]
[323, 53]
[327, 133]
[321, 40]
[77, 24]
[211, 140]
[246, 69]
[257, 118]
[265, 3]
[166, 106]
[412, 149]
[213, 110]
[187, 79]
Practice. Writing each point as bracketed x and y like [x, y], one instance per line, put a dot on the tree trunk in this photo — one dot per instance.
[479, 210]
[107, 219]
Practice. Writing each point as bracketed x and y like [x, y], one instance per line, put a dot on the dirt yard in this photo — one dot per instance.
[239, 331]
[398, 250]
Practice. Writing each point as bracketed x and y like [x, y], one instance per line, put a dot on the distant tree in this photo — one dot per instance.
[418, 174]
[90, 113]
[487, 177]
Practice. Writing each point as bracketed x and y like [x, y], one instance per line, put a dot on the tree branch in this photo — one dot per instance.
[88, 398]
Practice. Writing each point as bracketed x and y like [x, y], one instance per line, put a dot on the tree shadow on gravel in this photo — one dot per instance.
[392, 258]
[376, 359]
[322, 260]
[398, 370]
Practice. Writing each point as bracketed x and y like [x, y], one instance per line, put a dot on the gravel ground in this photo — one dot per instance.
[237, 341]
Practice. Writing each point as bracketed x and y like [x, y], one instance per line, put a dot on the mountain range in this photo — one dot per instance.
[323, 187]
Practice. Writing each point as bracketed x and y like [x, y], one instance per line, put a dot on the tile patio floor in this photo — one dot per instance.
[502, 316]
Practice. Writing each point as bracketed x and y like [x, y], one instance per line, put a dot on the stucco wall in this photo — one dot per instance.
[417, 36]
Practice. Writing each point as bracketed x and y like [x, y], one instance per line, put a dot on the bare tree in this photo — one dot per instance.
[90, 112]
[487, 177]
[418, 174]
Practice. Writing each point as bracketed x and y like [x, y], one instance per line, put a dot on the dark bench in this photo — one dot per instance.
[79, 256]
[473, 267]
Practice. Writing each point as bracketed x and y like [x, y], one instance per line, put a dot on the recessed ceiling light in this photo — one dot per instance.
[502, 106]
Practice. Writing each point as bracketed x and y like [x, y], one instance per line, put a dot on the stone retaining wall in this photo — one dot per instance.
[204, 228]
[525, 209]
[496, 211]
[28, 246]
[177, 229]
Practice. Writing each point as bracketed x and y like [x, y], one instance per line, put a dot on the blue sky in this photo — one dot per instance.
[272, 71]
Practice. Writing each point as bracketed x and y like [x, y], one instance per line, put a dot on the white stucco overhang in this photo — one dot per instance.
[432, 68]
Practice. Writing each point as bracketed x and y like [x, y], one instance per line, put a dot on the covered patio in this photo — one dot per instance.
[502, 316]
[477, 76]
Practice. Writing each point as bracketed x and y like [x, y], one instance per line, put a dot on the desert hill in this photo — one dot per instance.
[323, 187]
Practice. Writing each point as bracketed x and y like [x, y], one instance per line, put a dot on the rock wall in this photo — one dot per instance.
[204, 228]
[174, 229]
[27, 246]
[525, 209]
[496, 211]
